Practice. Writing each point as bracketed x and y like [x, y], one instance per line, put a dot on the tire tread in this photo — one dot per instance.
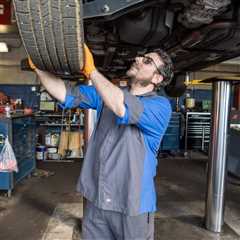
[52, 33]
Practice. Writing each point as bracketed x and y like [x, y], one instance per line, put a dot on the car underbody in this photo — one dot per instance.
[196, 33]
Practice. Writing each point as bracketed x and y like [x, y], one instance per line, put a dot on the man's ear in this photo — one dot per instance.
[157, 78]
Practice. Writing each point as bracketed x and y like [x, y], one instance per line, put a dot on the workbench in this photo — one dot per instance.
[21, 132]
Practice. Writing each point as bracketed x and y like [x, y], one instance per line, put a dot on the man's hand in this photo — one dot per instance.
[31, 64]
[89, 66]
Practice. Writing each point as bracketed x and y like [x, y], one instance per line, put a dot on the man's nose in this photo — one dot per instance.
[137, 59]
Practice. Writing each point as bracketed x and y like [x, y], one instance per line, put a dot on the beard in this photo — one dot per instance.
[132, 80]
[141, 82]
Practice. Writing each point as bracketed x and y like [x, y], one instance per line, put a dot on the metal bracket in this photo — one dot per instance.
[97, 8]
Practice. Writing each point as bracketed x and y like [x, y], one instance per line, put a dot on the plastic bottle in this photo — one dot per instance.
[7, 110]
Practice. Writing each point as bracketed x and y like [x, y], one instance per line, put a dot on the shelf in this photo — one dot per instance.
[55, 123]
[59, 125]
[63, 160]
[55, 160]
[51, 146]
[50, 115]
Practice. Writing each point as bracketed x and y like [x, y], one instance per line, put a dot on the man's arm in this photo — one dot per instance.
[82, 96]
[111, 95]
[54, 85]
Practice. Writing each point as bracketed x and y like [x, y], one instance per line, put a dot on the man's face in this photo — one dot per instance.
[144, 70]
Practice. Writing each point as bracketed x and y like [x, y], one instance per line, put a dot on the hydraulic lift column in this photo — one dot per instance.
[215, 199]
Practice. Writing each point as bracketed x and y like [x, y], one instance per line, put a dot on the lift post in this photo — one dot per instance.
[217, 166]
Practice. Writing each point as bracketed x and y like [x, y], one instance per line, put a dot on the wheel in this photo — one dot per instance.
[177, 87]
[52, 33]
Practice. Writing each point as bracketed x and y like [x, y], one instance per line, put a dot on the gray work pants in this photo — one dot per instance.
[109, 225]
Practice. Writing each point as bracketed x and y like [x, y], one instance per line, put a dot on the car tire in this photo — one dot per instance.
[177, 87]
[52, 33]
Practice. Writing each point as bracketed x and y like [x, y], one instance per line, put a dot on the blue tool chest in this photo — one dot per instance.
[21, 133]
[171, 139]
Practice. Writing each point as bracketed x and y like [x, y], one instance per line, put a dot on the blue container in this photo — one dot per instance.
[41, 153]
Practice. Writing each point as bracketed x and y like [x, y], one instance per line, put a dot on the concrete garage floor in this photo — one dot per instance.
[47, 208]
[181, 202]
[27, 214]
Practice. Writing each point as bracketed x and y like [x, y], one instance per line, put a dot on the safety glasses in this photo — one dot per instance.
[148, 60]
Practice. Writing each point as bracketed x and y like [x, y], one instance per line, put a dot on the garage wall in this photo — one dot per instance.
[223, 69]
[28, 93]
[10, 72]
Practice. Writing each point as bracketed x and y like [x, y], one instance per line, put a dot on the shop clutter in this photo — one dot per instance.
[34, 127]
[66, 144]
[60, 135]
[9, 106]
[8, 162]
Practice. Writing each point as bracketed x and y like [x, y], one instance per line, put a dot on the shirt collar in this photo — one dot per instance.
[147, 94]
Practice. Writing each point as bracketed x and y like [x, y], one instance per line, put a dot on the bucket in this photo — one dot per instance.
[41, 153]
[54, 156]
[52, 150]
[190, 103]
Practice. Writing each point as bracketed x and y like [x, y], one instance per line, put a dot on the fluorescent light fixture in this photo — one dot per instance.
[8, 28]
[3, 47]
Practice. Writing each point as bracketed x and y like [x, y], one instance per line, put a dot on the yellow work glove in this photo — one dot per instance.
[89, 66]
[31, 64]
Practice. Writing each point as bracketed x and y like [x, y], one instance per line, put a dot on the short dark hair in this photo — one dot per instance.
[166, 69]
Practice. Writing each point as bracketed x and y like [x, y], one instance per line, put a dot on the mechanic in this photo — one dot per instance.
[117, 176]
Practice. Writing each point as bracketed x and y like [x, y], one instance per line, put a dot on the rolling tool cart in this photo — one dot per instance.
[20, 130]
[197, 131]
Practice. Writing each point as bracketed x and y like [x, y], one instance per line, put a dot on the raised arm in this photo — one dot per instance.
[54, 85]
[111, 95]
[82, 96]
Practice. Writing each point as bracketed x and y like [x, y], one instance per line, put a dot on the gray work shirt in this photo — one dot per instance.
[120, 163]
